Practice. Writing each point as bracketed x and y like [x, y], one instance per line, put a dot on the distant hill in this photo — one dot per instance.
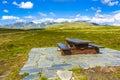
[71, 25]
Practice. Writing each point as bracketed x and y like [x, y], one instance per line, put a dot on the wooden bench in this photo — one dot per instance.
[76, 46]
[64, 49]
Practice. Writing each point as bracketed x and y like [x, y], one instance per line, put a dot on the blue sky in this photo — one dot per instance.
[98, 11]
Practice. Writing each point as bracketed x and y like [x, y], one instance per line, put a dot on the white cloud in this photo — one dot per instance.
[13, 18]
[42, 14]
[10, 18]
[30, 17]
[78, 15]
[5, 10]
[118, 11]
[52, 14]
[4, 2]
[98, 10]
[102, 19]
[117, 17]
[107, 19]
[110, 2]
[15, 3]
[24, 5]
[27, 5]
[43, 20]
[59, 20]
[20, 20]
[81, 18]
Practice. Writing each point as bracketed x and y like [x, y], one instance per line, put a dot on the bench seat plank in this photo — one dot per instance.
[95, 45]
[62, 46]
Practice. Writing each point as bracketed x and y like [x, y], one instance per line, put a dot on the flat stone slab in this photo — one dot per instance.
[46, 60]
[65, 75]
[31, 77]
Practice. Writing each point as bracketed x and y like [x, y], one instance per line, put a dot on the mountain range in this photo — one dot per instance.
[30, 25]
[20, 25]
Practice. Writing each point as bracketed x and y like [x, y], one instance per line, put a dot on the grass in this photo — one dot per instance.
[43, 78]
[14, 48]
[5, 30]
[78, 74]
[97, 73]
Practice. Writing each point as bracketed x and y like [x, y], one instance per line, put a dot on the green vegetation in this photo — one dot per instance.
[43, 78]
[14, 48]
[97, 73]
[5, 30]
